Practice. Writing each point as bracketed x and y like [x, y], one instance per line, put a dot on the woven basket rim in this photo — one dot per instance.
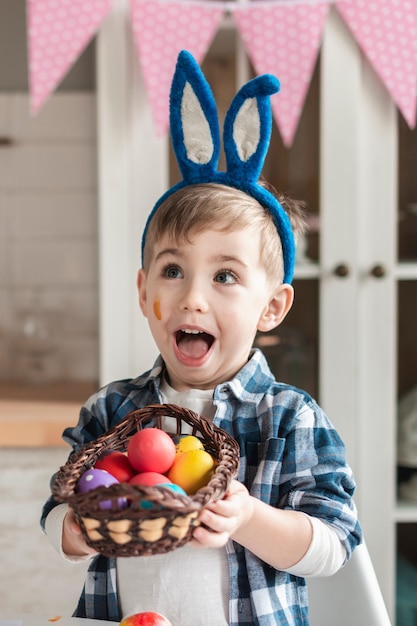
[169, 521]
[64, 487]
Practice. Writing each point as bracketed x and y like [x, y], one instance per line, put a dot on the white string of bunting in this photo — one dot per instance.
[282, 37]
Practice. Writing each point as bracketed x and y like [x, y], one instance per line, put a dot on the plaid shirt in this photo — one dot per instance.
[290, 457]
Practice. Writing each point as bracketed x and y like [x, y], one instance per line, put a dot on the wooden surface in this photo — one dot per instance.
[35, 416]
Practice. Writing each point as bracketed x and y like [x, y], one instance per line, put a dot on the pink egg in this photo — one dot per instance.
[151, 450]
[148, 479]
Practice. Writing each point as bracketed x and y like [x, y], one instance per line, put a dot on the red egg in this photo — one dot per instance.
[118, 465]
[149, 479]
[151, 450]
[147, 618]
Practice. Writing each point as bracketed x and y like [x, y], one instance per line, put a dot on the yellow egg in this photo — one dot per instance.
[188, 442]
[191, 470]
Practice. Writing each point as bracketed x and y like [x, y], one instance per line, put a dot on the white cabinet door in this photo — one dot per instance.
[357, 323]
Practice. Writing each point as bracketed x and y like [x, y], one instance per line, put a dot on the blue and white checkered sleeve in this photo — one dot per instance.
[316, 478]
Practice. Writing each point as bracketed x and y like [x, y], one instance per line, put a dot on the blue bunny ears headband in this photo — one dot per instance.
[247, 129]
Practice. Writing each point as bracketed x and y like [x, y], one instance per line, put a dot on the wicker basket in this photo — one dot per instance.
[157, 519]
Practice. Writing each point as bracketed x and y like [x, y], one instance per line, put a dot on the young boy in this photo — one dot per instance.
[217, 265]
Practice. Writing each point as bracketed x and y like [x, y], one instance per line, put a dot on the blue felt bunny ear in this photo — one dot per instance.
[247, 130]
[194, 123]
[246, 137]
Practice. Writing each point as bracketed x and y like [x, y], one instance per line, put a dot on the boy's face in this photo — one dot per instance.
[205, 300]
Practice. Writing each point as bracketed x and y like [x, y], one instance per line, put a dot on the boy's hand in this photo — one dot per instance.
[277, 536]
[73, 542]
[223, 518]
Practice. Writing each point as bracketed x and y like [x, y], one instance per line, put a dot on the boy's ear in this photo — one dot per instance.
[277, 308]
[141, 285]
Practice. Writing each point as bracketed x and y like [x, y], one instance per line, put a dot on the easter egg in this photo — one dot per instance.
[95, 478]
[148, 479]
[151, 450]
[191, 470]
[174, 488]
[117, 464]
[147, 618]
[153, 479]
[188, 442]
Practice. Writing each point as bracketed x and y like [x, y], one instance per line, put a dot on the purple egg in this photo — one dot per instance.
[94, 478]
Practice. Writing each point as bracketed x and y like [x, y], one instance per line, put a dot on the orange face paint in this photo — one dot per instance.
[157, 309]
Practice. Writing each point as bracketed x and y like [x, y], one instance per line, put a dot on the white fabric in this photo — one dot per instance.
[53, 529]
[145, 583]
[198, 400]
[247, 129]
[325, 555]
[200, 575]
[198, 140]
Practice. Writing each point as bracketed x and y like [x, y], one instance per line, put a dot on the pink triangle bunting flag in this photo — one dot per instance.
[161, 29]
[386, 31]
[284, 39]
[58, 32]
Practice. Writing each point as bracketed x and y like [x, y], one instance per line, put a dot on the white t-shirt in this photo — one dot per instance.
[198, 577]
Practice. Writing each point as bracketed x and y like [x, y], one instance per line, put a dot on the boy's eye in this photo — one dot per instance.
[172, 271]
[226, 277]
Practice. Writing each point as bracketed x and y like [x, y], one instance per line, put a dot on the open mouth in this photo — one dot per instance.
[193, 344]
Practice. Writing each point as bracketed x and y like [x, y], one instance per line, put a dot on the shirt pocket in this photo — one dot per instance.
[263, 469]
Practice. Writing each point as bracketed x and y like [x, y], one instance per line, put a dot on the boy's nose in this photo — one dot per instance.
[193, 299]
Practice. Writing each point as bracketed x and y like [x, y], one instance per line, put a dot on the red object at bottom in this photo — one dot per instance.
[147, 618]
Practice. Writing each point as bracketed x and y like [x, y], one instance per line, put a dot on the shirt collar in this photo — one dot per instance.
[254, 377]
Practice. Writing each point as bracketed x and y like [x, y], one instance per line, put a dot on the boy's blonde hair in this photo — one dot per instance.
[199, 207]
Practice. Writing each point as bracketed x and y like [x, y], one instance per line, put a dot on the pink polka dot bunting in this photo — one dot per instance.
[386, 30]
[161, 30]
[58, 31]
[284, 40]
